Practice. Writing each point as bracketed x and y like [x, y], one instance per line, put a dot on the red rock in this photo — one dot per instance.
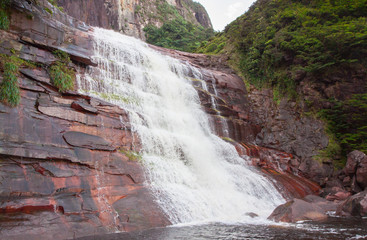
[338, 194]
[298, 210]
[83, 140]
[83, 106]
[355, 205]
[354, 159]
[361, 174]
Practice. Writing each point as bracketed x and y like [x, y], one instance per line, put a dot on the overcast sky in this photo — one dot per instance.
[223, 12]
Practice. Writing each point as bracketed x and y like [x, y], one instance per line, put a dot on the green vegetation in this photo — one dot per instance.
[177, 34]
[54, 3]
[62, 76]
[280, 43]
[347, 121]
[4, 16]
[9, 88]
[277, 42]
[133, 156]
[115, 97]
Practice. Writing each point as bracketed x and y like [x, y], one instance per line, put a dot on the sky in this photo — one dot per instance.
[224, 12]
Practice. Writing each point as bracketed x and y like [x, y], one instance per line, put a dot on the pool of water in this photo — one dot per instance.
[334, 228]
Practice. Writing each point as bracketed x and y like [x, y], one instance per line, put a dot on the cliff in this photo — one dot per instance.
[130, 17]
[306, 76]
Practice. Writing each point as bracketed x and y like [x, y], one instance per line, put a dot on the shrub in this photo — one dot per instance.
[9, 88]
[62, 76]
[4, 17]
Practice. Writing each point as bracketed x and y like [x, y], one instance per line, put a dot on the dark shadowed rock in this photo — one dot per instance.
[79, 139]
[355, 205]
[356, 171]
[39, 75]
[83, 106]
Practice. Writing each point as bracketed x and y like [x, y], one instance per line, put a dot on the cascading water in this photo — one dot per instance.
[195, 175]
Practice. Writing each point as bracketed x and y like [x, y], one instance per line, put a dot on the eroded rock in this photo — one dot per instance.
[355, 205]
[310, 208]
[84, 140]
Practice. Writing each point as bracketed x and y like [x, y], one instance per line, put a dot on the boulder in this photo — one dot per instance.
[356, 171]
[309, 208]
[355, 205]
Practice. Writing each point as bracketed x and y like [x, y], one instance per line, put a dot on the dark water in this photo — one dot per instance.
[334, 228]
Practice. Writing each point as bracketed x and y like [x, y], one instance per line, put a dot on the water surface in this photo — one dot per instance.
[334, 228]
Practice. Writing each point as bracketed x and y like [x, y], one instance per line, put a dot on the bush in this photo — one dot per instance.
[9, 88]
[4, 17]
[177, 34]
[61, 75]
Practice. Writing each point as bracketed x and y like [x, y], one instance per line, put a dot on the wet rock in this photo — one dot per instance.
[338, 195]
[355, 205]
[251, 214]
[310, 208]
[83, 106]
[83, 140]
[39, 75]
[42, 31]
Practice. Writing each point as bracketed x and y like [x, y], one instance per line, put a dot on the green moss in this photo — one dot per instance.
[48, 10]
[115, 97]
[227, 139]
[54, 3]
[133, 156]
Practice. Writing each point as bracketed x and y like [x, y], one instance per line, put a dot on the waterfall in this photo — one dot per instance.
[193, 174]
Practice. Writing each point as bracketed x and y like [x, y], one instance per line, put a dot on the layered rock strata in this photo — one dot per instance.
[130, 17]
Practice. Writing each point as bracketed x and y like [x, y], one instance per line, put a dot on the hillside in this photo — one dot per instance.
[177, 24]
[312, 52]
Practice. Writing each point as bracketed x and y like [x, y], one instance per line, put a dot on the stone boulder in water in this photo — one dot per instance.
[309, 208]
[355, 205]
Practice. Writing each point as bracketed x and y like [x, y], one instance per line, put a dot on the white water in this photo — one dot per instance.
[194, 175]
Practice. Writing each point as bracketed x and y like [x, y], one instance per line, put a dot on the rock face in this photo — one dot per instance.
[283, 128]
[130, 17]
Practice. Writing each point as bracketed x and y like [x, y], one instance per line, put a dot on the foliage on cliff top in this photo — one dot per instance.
[176, 32]
[278, 40]
[279, 43]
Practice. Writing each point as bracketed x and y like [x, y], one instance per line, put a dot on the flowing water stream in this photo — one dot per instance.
[194, 175]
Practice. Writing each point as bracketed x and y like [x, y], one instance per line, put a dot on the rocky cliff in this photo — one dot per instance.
[130, 17]
[68, 167]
